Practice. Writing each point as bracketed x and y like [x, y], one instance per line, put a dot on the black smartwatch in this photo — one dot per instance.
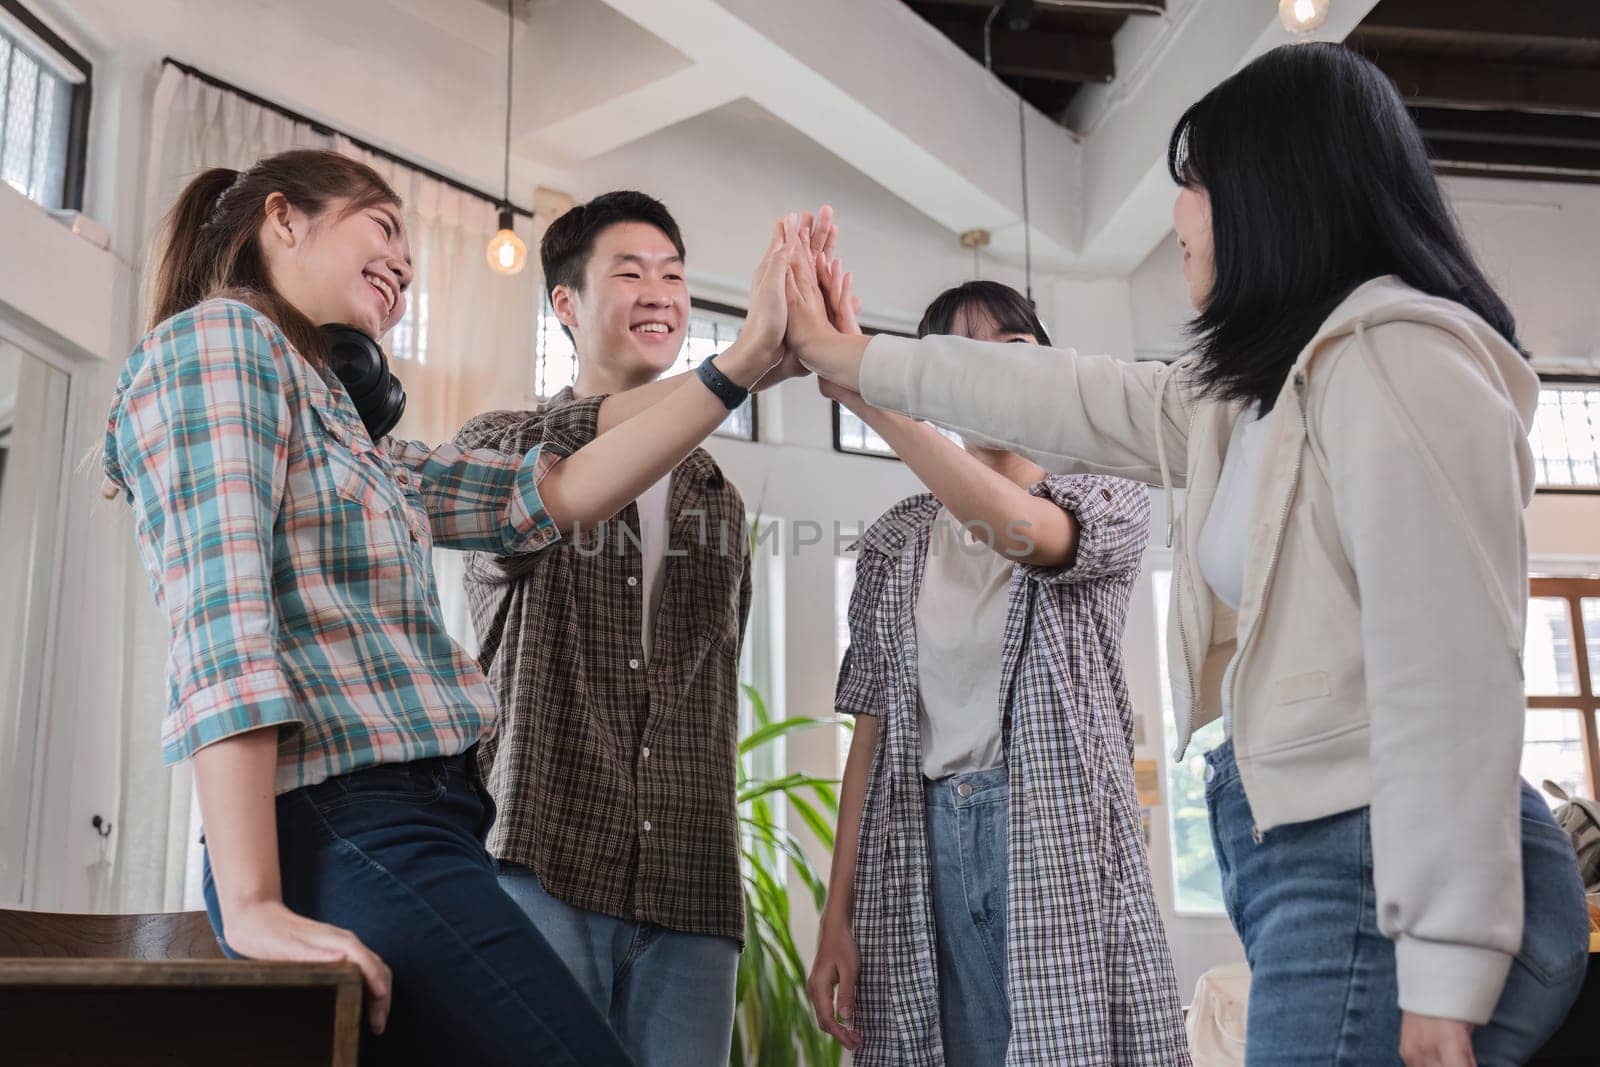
[728, 391]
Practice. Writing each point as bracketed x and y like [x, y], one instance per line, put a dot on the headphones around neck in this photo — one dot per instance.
[359, 363]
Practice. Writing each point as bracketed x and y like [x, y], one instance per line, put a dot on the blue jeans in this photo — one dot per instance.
[395, 854]
[670, 995]
[967, 856]
[1322, 975]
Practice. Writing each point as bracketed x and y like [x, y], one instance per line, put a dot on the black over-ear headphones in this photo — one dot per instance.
[360, 364]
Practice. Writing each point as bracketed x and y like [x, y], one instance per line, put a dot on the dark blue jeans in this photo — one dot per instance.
[1322, 975]
[395, 854]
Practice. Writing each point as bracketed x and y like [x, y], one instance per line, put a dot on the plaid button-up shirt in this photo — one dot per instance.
[613, 771]
[1088, 971]
[291, 555]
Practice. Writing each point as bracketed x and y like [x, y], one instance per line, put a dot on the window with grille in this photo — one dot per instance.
[44, 110]
[1561, 672]
[712, 328]
[852, 435]
[1566, 434]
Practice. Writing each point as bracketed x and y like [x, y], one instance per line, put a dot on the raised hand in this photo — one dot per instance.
[818, 234]
[766, 319]
[843, 308]
[808, 321]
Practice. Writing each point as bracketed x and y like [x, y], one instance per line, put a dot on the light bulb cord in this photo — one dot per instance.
[511, 26]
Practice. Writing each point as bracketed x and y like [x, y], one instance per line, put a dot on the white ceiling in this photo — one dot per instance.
[880, 88]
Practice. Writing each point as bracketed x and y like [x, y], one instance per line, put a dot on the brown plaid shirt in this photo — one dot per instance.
[615, 776]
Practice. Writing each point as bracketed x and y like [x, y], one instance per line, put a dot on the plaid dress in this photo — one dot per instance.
[1089, 975]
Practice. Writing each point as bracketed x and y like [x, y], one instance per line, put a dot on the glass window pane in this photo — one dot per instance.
[35, 120]
[557, 362]
[1552, 747]
[1566, 435]
[1197, 883]
[857, 436]
[1547, 659]
[1591, 638]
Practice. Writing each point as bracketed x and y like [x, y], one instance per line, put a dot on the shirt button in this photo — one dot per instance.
[647, 826]
[644, 753]
[1105, 493]
[632, 580]
[633, 663]
[965, 789]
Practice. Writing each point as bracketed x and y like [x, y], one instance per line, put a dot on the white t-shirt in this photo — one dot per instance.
[1225, 537]
[652, 505]
[961, 626]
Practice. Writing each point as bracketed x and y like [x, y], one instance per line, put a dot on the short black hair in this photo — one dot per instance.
[569, 242]
[1319, 181]
[1008, 309]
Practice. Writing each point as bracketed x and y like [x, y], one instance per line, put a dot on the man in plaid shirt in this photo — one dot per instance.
[615, 656]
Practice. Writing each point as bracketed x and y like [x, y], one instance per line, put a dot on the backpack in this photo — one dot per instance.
[1580, 818]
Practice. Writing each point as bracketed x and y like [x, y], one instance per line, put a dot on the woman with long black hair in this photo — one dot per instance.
[1350, 565]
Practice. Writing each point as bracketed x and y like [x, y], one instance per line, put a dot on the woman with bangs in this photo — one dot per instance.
[990, 900]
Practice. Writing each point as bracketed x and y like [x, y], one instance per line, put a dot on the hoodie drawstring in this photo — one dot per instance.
[1161, 453]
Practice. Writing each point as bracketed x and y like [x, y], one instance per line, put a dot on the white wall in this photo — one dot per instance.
[1537, 242]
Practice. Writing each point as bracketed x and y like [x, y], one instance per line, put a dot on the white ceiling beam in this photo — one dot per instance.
[634, 114]
[869, 81]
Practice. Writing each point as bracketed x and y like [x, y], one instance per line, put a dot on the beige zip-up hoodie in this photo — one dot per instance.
[1379, 636]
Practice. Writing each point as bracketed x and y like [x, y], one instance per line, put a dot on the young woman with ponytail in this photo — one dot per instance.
[329, 715]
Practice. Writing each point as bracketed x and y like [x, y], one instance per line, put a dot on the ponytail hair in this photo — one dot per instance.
[211, 243]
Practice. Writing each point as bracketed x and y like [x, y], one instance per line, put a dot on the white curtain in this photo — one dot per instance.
[466, 345]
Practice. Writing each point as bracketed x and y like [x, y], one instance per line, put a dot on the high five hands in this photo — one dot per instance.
[796, 238]
[803, 308]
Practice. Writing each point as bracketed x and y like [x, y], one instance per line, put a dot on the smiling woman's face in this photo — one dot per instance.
[349, 267]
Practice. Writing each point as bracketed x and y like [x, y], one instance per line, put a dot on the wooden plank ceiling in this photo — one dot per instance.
[1507, 88]
[1043, 49]
[1499, 88]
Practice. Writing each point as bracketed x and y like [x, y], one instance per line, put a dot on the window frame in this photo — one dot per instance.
[1574, 590]
[838, 411]
[1592, 381]
[76, 168]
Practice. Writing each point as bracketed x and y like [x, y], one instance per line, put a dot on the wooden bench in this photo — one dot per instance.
[140, 990]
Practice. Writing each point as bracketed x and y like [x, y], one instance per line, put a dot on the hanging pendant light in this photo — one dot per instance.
[1302, 16]
[507, 252]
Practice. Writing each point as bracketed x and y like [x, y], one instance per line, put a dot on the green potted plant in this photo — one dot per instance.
[774, 1025]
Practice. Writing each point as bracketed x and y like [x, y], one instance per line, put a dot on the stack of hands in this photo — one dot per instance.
[802, 310]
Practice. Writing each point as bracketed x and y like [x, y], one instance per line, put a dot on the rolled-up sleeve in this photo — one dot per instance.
[1113, 518]
[860, 686]
[201, 435]
[479, 499]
